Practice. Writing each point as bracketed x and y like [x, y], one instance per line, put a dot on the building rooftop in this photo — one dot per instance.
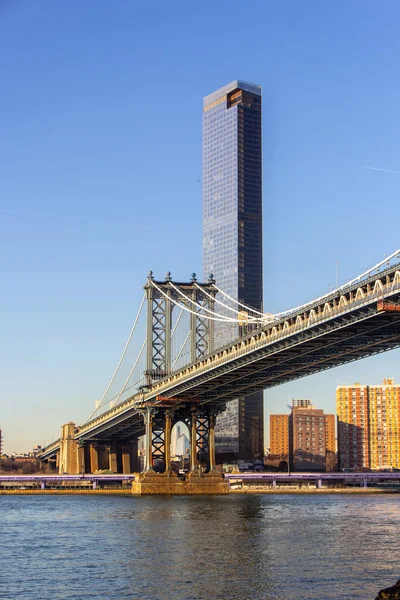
[302, 403]
[237, 83]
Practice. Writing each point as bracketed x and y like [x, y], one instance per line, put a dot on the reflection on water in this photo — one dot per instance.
[207, 548]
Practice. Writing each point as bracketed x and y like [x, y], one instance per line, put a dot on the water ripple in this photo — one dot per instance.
[206, 548]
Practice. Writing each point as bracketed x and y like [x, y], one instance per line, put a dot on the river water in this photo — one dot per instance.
[238, 547]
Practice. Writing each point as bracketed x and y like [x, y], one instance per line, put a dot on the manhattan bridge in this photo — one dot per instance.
[174, 368]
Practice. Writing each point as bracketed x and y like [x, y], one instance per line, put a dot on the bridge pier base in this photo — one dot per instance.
[166, 484]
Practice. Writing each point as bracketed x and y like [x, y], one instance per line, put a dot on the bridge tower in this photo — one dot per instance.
[161, 299]
[162, 414]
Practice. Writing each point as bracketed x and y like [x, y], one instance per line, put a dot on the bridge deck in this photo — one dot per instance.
[342, 327]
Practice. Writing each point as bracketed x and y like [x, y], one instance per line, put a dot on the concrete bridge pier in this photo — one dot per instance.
[113, 458]
[68, 461]
[130, 463]
[81, 459]
[94, 458]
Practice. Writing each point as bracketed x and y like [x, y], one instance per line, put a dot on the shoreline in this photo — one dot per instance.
[128, 492]
[317, 491]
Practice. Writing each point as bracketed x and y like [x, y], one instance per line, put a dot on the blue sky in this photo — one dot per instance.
[100, 158]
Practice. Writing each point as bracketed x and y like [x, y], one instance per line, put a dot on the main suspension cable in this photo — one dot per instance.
[340, 288]
[196, 304]
[225, 305]
[237, 302]
[221, 317]
[224, 320]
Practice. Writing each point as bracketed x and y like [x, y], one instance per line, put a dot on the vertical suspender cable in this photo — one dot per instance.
[124, 351]
[115, 400]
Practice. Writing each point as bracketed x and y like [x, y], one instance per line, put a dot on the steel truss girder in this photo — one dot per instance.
[120, 422]
[301, 363]
[307, 339]
[251, 384]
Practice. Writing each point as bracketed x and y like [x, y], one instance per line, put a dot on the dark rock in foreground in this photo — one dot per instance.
[390, 593]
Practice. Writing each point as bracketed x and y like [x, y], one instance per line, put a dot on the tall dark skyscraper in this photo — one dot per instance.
[232, 235]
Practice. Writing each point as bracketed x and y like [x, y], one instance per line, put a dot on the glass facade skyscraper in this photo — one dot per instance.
[232, 235]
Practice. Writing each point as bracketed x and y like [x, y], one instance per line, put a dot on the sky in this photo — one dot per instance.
[100, 175]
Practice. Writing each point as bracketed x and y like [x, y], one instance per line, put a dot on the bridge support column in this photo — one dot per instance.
[167, 440]
[193, 441]
[94, 458]
[365, 482]
[126, 459]
[319, 484]
[274, 483]
[211, 442]
[148, 457]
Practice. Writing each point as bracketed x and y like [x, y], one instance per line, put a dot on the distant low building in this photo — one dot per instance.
[36, 450]
[305, 438]
[182, 445]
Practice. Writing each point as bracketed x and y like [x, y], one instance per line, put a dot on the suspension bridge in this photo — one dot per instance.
[175, 367]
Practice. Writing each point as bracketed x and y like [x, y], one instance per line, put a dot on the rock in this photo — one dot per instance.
[390, 593]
